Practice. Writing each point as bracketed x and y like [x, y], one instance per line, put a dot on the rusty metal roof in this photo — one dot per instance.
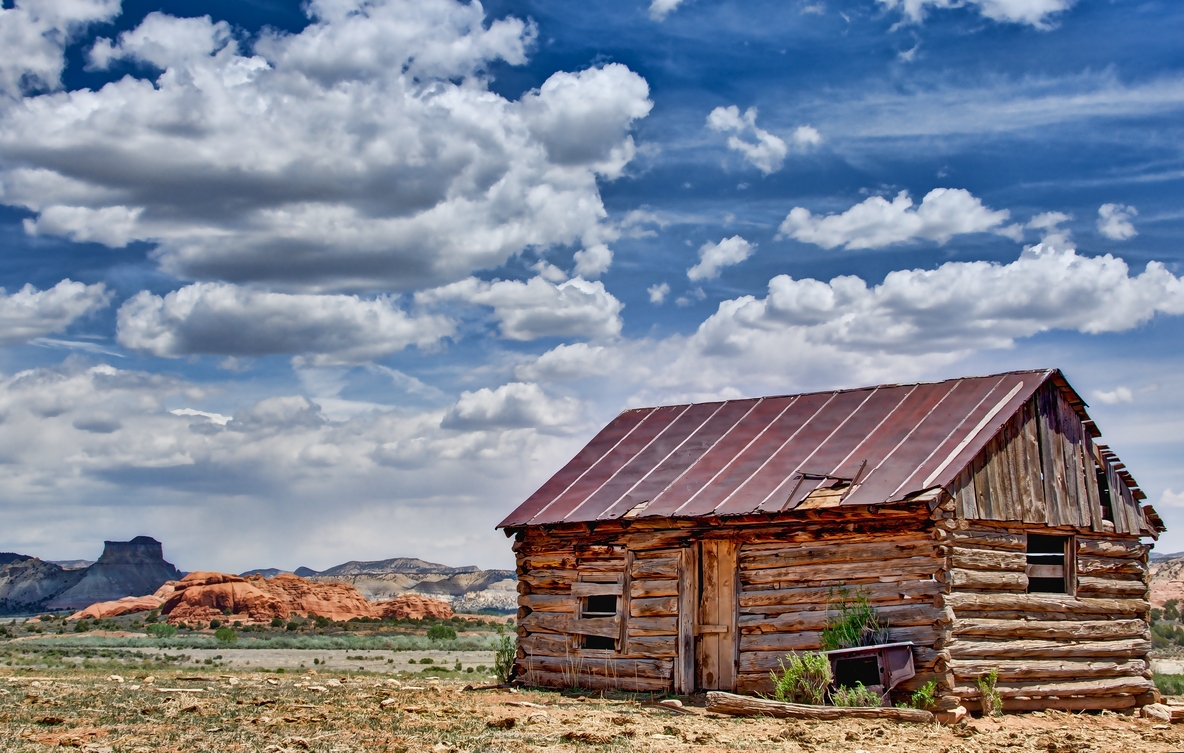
[766, 455]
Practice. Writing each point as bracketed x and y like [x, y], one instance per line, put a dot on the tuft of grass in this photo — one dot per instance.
[856, 697]
[991, 701]
[851, 621]
[925, 698]
[804, 679]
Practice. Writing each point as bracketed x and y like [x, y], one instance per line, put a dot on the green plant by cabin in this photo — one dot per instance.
[503, 658]
[856, 697]
[851, 621]
[804, 679]
[925, 697]
[990, 699]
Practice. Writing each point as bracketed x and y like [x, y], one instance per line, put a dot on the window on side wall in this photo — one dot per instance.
[598, 600]
[1049, 564]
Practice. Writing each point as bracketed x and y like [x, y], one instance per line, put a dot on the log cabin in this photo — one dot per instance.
[691, 547]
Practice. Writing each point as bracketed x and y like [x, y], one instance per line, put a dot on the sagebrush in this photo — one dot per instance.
[991, 701]
[856, 697]
[851, 621]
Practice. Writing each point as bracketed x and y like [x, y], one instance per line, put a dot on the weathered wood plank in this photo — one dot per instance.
[655, 567]
[987, 539]
[557, 579]
[658, 607]
[1111, 587]
[989, 580]
[657, 646]
[966, 671]
[643, 626]
[546, 644]
[647, 589]
[1063, 603]
[1053, 630]
[604, 627]
[581, 588]
[1020, 649]
[804, 599]
[1101, 687]
[739, 705]
[909, 567]
[903, 615]
[546, 622]
[1089, 565]
[1120, 548]
[988, 559]
[688, 591]
[814, 555]
[547, 603]
[812, 640]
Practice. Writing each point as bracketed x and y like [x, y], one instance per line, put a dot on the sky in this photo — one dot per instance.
[290, 284]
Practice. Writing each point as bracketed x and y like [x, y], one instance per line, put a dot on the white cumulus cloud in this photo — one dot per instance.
[658, 293]
[765, 151]
[659, 9]
[513, 405]
[30, 313]
[364, 152]
[537, 307]
[876, 222]
[715, 256]
[224, 319]
[1035, 13]
[1114, 221]
[34, 34]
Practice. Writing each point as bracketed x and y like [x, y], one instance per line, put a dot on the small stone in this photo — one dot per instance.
[114, 678]
[538, 717]
[272, 682]
[333, 683]
[387, 702]
[671, 703]
[1158, 712]
[149, 680]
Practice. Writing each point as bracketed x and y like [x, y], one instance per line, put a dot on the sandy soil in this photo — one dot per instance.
[247, 711]
[382, 662]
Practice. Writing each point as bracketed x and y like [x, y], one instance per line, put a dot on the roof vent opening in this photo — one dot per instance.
[637, 509]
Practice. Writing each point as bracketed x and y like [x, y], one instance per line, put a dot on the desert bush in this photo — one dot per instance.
[1169, 684]
[153, 616]
[925, 698]
[277, 622]
[215, 624]
[856, 697]
[226, 635]
[503, 658]
[804, 679]
[1171, 609]
[991, 701]
[161, 630]
[441, 633]
[81, 627]
[851, 621]
[292, 626]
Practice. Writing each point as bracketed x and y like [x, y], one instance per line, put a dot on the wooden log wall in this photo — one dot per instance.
[786, 588]
[1073, 652]
[1041, 468]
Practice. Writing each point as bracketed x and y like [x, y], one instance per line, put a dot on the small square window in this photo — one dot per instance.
[599, 642]
[1046, 564]
[600, 606]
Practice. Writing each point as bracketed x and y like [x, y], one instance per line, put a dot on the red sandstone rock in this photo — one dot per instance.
[336, 601]
[412, 606]
[203, 596]
[126, 605]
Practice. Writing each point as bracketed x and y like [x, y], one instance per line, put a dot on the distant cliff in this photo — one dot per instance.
[126, 568]
[467, 589]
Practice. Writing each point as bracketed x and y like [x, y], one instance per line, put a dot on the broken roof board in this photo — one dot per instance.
[765, 455]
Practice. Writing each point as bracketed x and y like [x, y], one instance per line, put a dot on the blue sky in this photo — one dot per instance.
[296, 284]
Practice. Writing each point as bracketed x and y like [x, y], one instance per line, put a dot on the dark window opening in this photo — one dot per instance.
[1046, 563]
[599, 641]
[865, 669]
[1104, 495]
[600, 606]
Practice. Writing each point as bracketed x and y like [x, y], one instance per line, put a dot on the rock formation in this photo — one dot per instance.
[126, 605]
[1167, 580]
[127, 568]
[467, 588]
[413, 607]
[28, 584]
[202, 596]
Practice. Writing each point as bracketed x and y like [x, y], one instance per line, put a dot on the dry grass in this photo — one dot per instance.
[263, 712]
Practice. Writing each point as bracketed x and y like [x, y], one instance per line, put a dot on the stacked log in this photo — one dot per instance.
[1086, 650]
[786, 589]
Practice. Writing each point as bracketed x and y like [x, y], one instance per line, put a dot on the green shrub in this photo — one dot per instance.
[277, 622]
[926, 697]
[81, 627]
[441, 633]
[215, 624]
[225, 635]
[503, 658]
[323, 622]
[1169, 684]
[292, 626]
[856, 697]
[1171, 609]
[425, 660]
[991, 701]
[851, 621]
[1156, 615]
[804, 679]
[161, 630]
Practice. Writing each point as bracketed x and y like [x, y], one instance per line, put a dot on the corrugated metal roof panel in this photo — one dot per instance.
[768, 454]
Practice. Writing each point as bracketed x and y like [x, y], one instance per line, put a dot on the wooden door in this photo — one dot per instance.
[715, 627]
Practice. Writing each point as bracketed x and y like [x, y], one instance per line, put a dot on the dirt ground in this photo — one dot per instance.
[269, 713]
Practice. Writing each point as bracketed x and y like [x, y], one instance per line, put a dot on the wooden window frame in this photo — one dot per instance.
[1069, 561]
[597, 584]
